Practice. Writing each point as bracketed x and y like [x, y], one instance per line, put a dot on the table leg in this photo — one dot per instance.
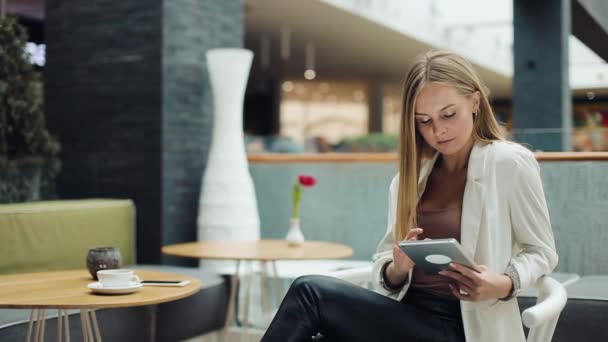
[66, 324]
[30, 325]
[59, 325]
[37, 330]
[247, 304]
[43, 325]
[84, 325]
[277, 282]
[40, 332]
[264, 288]
[89, 325]
[95, 325]
[152, 314]
[231, 301]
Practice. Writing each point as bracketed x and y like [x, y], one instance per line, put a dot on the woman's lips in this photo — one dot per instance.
[444, 141]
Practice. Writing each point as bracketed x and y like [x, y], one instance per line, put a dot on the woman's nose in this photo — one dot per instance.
[439, 130]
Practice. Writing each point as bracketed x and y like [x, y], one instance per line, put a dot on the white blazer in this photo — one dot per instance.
[504, 220]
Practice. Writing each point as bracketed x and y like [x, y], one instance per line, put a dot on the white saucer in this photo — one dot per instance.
[96, 287]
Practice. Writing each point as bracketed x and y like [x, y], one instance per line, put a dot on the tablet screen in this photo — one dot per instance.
[433, 256]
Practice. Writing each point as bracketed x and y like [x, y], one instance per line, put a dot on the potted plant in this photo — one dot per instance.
[28, 153]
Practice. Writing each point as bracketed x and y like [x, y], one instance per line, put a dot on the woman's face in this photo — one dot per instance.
[444, 117]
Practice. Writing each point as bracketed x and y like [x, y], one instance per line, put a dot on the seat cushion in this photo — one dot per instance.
[9, 317]
[198, 314]
[589, 287]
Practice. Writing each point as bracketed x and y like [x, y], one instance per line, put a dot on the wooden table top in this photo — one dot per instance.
[68, 290]
[263, 250]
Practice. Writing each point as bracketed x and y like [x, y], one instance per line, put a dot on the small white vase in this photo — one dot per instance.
[294, 236]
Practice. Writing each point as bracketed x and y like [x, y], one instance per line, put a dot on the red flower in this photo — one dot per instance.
[307, 181]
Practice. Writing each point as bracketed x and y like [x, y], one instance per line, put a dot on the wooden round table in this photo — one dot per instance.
[64, 290]
[261, 250]
[264, 251]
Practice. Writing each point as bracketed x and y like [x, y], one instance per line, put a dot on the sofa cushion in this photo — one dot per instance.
[9, 317]
[195, 315]
[589, 287]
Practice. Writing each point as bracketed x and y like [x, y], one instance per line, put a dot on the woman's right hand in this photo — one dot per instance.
[402, 264]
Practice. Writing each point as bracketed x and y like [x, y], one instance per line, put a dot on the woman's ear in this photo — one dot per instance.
[476, 100]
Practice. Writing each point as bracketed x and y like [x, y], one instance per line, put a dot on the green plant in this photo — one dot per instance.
[24, 138]
[372, 142]
[303, 181]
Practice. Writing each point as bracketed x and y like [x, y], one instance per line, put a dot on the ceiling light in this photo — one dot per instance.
[287, 86]
[310, 74]
[309, 62]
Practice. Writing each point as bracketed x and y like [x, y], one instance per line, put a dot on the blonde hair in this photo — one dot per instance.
[448, 69]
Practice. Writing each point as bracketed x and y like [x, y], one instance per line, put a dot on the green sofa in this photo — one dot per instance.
[56, 235]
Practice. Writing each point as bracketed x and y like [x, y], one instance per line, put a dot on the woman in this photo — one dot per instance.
[458, 179]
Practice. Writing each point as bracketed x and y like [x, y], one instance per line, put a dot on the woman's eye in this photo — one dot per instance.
[450, 115]
[424, 122]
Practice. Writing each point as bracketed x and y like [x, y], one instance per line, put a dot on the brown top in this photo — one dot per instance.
[438, 214]
[68, 290]
[437, 224]
[265, 250]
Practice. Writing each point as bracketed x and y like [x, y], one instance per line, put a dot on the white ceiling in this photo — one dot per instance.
[347, 46]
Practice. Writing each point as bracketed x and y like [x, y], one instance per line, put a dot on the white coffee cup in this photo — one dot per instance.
[117, 278]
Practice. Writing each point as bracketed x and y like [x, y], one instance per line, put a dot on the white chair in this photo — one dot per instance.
[541, 318]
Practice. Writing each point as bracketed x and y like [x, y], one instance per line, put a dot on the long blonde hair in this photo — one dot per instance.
[448, 69]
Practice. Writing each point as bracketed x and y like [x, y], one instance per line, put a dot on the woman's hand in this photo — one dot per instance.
[477, 286]
[397, 271]
[403, 264]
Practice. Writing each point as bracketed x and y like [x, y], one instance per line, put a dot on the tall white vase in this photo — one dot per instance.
[228, 207]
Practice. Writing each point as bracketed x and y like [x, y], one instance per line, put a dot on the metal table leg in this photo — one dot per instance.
[230, 312]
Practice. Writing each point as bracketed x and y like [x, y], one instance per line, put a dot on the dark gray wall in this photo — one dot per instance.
[542, 106]
[127, 94]
[191, 27]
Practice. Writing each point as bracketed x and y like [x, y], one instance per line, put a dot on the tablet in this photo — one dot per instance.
[165, 282]
[433, 256]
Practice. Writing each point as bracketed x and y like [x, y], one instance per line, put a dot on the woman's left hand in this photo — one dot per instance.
[477, 286]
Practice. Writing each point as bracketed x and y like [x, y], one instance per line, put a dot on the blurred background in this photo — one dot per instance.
[112, 99]
[327, 73]
[114, 96]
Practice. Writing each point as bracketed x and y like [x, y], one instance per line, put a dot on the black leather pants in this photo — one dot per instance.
[341, 311]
